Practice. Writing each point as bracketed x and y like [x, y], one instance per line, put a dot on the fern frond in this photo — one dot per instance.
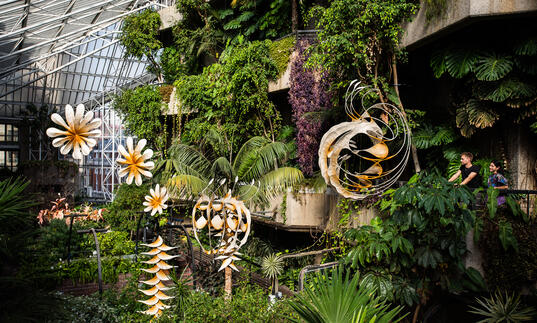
[422, 138]
[492, 67]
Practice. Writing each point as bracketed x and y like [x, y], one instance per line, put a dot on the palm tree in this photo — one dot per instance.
[253, 173]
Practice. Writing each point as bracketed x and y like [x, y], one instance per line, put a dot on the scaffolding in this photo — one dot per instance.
[59, 52]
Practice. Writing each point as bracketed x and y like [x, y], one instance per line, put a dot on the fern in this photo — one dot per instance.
[492, 67]
[429, 136]
[461, 62]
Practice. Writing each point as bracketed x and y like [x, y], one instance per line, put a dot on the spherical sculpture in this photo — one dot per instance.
[79, 128]
[368, 154]
[227, 222]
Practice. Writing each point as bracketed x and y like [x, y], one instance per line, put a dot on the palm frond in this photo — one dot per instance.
[429, 136]
[222, 166]
[252, 144]
[272, 266]
[188, 160]
[460, 62]
[258, 162]
[502, 307]
[186, 186]
[492, 67]
[13, 205]
[279, 180]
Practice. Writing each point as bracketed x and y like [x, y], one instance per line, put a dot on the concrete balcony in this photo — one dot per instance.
[459, 13]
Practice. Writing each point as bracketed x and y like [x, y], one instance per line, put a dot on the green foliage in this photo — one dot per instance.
[357, 38]
[280, 52]
[115, 243]
[87, 309]
[139, 36]
[248, 304]
[418, 244]
[141, 112]
[340, 299]
[272, 266]
[254, 169]
[507, 243]
[429, 136]
[123, 211]
[503, 307]
[85, 270]
[493, 82]
[230, 98]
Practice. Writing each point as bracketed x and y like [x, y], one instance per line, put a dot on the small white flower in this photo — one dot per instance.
[135, 161]
[156, 201]
[79, 129]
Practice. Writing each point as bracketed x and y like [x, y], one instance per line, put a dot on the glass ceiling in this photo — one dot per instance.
[58, 52]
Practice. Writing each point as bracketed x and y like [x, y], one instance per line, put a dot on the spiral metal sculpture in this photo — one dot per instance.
[387, 150]
[227, 221]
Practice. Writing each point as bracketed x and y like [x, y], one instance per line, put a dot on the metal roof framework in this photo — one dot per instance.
[58, 52]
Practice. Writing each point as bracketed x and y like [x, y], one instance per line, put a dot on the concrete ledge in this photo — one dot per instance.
[169, 16]
[457, 12]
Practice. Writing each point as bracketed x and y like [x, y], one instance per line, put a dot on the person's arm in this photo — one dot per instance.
[502, 180]
[455, 176]
[501, 187]
[469, 178]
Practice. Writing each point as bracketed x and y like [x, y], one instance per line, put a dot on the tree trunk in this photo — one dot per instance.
[228, 283]
[294, 16]
[413, 148]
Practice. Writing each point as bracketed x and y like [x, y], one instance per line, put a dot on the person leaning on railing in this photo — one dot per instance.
[497, 180]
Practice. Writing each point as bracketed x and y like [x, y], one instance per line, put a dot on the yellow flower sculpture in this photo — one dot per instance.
[135, 161]
[161, 270]
[156, 201]
[79, 128]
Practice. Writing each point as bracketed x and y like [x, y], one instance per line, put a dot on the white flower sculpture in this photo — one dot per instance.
[156, 201]
[79, 129]
[135, 161]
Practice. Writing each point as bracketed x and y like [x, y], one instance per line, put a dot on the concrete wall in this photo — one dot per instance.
[169, 17]
[457, 13]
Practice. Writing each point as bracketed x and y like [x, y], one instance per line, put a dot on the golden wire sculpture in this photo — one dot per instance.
[378, 137]
[226, 219]
[161, 270]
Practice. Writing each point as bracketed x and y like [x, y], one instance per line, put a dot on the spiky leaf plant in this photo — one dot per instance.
[339, 299]
[272, 266]
[503, 307]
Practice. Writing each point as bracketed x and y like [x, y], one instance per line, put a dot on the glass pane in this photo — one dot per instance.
[15, 134]
[2, 132]
[2, 158]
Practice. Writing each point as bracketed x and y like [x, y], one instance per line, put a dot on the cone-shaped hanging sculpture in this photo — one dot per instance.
[161, 270]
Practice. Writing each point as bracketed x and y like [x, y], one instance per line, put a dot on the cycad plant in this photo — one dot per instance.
[339, 299]
[503, 307]
[254, 173]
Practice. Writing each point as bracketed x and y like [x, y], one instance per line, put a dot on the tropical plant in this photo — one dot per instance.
[307, 95]
[140, 109]
[496, 83]
[139, 36]
[272, 267]
[339, 298]
[418, 244]
[253, 172]
[503, 307]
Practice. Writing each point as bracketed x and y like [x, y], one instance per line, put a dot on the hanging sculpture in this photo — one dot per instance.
[161, 270]
[135, 161]
[155, 202]
[226, 219]
[79, 127]
[379, 137]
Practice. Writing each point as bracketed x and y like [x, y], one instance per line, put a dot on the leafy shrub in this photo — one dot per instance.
[419, 243]
[115, 243]
[125, 207]
[86, 309]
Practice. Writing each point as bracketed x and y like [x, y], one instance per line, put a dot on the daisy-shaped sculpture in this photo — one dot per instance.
[79, 128]
[156, 201]
[135, 161]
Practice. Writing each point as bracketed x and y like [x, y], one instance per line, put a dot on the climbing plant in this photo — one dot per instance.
[140, 109]
[230, 97]
[307, 94]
